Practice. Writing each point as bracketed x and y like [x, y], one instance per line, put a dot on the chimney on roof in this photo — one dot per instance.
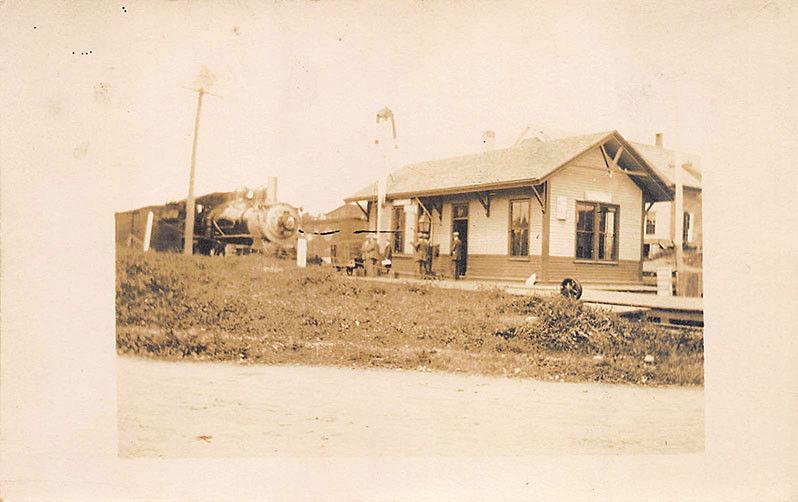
[489, 140]
[658, 140]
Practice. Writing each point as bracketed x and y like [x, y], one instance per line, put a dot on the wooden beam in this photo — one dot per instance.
[650, 205]
[362, 210]
[544, 251]
[540, 200]
[617, 157]
[424, 208]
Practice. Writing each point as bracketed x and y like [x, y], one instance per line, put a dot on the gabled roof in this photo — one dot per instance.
[664, 160]
[531, 161]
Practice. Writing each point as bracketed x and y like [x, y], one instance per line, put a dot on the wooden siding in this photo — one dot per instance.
[403, 265]
[502, 267]
[488, 235]
[558, 268]
[573, 182]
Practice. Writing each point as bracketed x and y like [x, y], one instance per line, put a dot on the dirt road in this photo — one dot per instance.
[186, 409]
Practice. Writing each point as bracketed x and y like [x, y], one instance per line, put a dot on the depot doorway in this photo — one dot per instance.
[460, 225]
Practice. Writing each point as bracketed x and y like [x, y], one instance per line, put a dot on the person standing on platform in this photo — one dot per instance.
[457, 255]
[367, 251]
[422, 255]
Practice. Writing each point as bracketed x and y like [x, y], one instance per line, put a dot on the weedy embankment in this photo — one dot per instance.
[257, 310]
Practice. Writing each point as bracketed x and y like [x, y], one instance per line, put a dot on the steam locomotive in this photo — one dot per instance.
[248, 222]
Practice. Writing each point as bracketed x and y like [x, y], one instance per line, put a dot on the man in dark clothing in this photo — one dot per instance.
[422, 255]
[457, 256]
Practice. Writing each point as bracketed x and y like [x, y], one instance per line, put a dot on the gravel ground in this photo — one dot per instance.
[213, 409]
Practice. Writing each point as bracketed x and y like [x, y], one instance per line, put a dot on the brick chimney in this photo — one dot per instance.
[658, 140]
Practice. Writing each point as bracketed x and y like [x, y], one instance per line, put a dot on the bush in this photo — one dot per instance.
[262, 309]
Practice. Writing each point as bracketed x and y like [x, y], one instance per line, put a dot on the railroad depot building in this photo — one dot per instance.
[571, 207]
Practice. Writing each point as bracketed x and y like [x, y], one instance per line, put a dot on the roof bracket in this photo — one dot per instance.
[649, 206]
[484, 199]
[539, 198]
[426, 211]
[437, 205]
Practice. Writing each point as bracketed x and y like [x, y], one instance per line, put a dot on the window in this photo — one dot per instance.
[651, 223]
[460, 211]
[519, 227]
[596, 236]
[398, 228]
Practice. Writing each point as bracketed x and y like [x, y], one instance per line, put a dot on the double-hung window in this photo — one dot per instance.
[651, 223]
[596, 231]
[519, 227]
[398, 228]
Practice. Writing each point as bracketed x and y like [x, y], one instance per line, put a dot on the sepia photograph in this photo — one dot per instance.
[335, 231]
[524, 279]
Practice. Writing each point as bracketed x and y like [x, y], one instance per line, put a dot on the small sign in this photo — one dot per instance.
[562, 208]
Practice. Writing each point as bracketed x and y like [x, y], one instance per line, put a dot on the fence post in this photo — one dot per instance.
[664, 281]
[301, 252]
[148, 231]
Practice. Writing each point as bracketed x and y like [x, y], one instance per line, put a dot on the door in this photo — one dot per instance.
[460, 225]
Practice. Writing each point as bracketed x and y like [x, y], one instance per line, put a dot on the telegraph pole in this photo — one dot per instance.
[382, 183]
[188, 231]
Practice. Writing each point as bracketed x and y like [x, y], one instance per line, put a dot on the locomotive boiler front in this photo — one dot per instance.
[274, 223]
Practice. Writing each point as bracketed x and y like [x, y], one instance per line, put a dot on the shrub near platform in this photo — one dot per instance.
[261, 310]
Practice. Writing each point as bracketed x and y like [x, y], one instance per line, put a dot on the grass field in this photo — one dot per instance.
[254, 309]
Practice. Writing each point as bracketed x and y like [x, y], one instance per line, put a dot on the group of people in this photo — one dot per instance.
[372, 257]
[423, 256]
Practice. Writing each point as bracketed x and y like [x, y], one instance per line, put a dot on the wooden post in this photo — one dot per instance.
[148, 232]
[678, 224]
[301, 252]
[188, 231]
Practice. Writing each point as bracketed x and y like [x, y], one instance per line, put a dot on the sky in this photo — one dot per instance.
[297, 84]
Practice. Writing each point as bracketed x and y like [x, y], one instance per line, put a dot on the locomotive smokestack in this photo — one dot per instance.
[271, 190]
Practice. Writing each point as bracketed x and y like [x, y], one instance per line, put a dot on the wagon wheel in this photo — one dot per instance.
[571, 288]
